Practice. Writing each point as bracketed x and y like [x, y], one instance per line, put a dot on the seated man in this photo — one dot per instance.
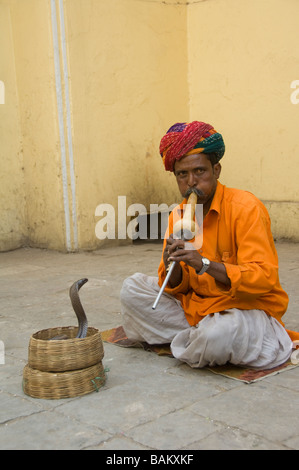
[223, 302]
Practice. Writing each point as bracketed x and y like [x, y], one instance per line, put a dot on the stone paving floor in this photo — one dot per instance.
[148, 402]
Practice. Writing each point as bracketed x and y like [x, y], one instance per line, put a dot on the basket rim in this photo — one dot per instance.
[90, 329]
[46, 354]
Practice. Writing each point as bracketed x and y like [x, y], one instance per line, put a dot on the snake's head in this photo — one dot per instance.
[77, 286]
[81, 283]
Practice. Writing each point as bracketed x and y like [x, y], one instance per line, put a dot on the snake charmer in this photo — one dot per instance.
[223, 302]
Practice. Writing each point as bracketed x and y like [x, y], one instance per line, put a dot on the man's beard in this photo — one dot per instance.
[198, 192]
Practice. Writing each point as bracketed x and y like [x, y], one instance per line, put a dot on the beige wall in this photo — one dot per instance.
[85, 109]
[125, 66]
[38, 110]
[242, 62]
[12, 194]
[128, 67]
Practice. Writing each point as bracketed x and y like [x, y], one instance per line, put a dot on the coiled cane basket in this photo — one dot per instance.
[55, 385]
[64, 368]
[62, 355]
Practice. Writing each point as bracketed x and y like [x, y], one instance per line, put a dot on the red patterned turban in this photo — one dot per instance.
[186, 139]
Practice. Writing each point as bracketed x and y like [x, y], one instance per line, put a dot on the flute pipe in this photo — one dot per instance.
[184, 225]
[190, 207]
[171, 268]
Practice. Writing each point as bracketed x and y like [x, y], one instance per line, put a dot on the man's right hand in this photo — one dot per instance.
[171, 246]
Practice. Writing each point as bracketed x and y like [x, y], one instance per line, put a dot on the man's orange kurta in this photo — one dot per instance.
[237, 233]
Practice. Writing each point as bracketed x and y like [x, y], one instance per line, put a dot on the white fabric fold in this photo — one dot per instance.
[241, 337]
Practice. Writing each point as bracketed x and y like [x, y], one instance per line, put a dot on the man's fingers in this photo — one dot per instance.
[179, 252]
[175, 245]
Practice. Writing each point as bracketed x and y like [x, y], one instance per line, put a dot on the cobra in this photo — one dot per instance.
[78, 309]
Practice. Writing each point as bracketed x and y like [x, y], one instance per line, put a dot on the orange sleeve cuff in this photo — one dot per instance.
[233, 272]
[182, 288]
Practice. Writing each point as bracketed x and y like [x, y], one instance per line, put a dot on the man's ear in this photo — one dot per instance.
[217, 170]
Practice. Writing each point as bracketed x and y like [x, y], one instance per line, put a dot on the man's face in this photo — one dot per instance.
[196, 171]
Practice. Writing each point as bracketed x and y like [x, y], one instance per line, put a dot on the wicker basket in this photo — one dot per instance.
[50, 385]
[64, 355]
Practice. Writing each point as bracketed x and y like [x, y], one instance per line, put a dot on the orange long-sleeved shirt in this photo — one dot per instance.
[237, 233]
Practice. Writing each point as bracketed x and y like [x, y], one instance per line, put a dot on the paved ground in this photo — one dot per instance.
[148, 402]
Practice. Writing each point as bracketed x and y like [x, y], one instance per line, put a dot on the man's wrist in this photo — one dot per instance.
[205, 266]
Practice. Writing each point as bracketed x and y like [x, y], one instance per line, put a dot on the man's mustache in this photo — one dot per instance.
[189, 191]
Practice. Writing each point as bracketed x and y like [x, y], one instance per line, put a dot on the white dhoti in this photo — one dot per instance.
[241, 337]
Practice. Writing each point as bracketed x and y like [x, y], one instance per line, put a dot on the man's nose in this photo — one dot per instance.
[191, 179]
